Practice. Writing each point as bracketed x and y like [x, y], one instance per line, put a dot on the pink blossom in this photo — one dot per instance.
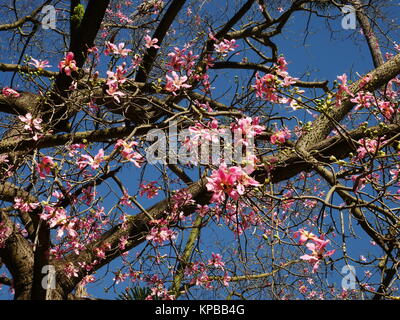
[282, 63]
[202, 210]
[95, 162]
[44, 166]
[117, 50]
[281, 136]
[88, 195]
[31, 124]
[225, 46]
[368, 146]
[226, 280]
[150, 189]
[8, 92]
[231, 181]
[19, 204]
[209, 132]
[266, 86]
[387, 108]
[125, 200]
[149, 42]
[127, 152]
[304, 236]
[118, 76]
[160, 234]
[176, 82]
[70, 270]
[318, 253]
[249, 127]
[114, 91]
[137, 60]
[68, 64]
[363, 100]
[216, 261]
[39, 64]
[73, 148]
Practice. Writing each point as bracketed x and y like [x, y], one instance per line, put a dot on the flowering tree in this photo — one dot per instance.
[312, 185]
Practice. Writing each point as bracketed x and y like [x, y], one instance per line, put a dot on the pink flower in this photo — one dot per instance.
[150, 189]
[127, 152]
[225, 46]
[149, 42]
[282, 63]
[95, 162]
[45, 166]
[68, 64]
[114, 91]
[8, 92]
[249, 127]
[160, 234]
[19, 204]
[137, 60]
[118, 76]
[117, 50]
[369, 146]
[216, 261]
[387, 108]
[176, 82]
[39, 64]
[73, 148]
[30, 123]
[281, 136]
[70, 270]
[342, 88]
[318, 253]
[363, 100]
[265, 87]
[125, 199]
[88, 195]
[202, 210]
[304, 236]
[231, 181]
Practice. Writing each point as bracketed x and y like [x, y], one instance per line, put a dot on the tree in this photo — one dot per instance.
[170, 143]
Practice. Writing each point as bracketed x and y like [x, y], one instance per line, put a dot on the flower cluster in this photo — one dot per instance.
[68, 64]
[128, 153]
[230, 181]
[32, 125]
[26, 207]
[317, 246]
[44, 166]
[114, 79]
[280, 136]
[57, 217]
[93, 162]
[8, 92]
[119, 50]
[160, 232]
[150, 189]
[225, 46]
